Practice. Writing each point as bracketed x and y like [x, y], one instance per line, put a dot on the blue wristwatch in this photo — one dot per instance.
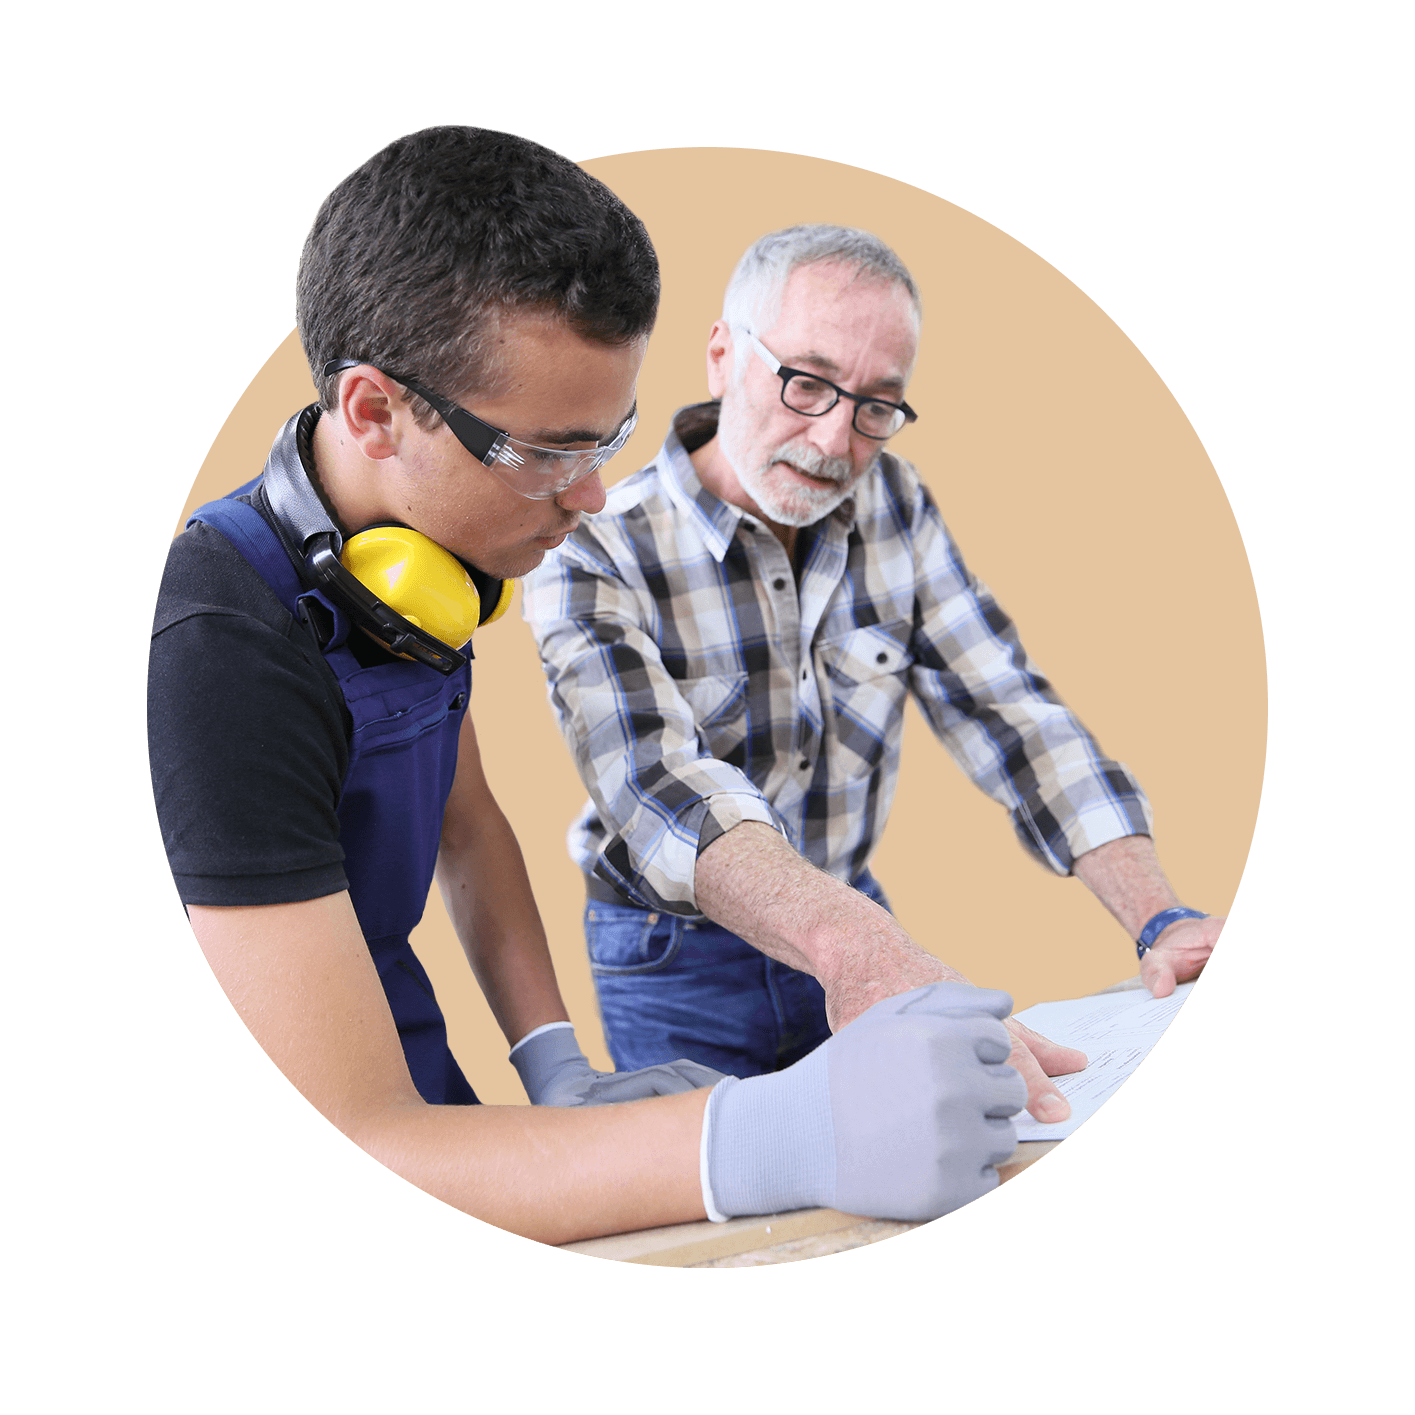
[1160, 923]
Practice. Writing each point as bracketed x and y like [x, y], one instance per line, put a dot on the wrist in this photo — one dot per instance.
[869, 967]
[769, 1142]
[538, 1031]
[704, 1168]
[551, 1065]
[853, 940]
[1150, 933]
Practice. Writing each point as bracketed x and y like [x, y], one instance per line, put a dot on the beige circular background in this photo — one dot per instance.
[1078, 492]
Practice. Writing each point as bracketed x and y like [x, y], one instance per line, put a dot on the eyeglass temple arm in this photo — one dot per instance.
[763, 353]
[482, 440]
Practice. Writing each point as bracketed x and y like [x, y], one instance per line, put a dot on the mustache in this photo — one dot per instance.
[814, 462]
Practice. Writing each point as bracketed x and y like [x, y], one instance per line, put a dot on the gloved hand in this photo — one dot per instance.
[902, 1114]
[555, 1071]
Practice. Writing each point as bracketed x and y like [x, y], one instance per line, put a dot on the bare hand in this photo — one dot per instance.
[1179, 954]
[1036, 1058]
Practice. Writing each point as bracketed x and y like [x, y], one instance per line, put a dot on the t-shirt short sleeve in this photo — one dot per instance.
[247, 734]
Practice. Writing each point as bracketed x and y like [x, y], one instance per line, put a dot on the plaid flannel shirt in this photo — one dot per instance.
[698, 686]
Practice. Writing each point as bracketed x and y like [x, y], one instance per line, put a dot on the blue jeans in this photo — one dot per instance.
[672, 987]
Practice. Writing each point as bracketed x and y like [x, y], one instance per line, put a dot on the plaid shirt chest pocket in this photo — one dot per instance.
[719, 705]
[868, 674]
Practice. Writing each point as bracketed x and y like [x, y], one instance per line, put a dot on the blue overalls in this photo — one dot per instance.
[402, 757]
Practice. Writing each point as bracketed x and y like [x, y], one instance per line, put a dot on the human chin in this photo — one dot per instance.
[786, 498]
[505, 562]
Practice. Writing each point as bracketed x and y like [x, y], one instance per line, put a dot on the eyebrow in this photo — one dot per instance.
[829, 366]
[547, 436]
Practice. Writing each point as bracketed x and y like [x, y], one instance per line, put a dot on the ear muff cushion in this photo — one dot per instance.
[418, 579]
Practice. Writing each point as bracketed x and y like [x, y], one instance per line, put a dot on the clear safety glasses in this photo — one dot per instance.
[535, 472]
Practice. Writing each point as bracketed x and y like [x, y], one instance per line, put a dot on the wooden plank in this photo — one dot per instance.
[820, 1245]
[752, 1240]
[682, 1244]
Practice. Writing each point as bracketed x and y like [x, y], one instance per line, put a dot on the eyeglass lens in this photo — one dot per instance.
[803, 394]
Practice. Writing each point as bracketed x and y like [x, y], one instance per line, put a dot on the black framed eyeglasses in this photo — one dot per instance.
[814, 396]
[535, 472]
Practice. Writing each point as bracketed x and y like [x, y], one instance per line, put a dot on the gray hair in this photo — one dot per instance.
[753, 296]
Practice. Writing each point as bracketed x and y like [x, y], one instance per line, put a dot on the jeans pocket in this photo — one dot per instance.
[622, 940]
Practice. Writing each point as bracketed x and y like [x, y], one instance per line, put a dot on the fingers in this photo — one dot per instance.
[1004, 1142]
[667, 1079]
[1186, 964]
[1006, 1094]
[1032, 1055]
[919, 1107]
[1179, 954]
[619, 1086]
[1054, 1058]
[1157, 975]
[1044, 1101]
[695, 1073]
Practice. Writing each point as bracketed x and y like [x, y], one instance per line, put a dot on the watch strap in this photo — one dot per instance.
[1160, 923]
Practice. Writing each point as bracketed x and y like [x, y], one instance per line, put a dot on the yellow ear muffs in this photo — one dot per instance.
[503, 602]
[420, 580]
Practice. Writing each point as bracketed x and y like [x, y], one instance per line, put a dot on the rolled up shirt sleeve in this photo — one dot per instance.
[1001, 720]
[660, 793]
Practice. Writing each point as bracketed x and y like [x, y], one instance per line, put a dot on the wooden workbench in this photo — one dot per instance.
[771, 1238]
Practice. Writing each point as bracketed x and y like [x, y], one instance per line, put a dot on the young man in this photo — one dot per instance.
[730, 648]
[475, 310]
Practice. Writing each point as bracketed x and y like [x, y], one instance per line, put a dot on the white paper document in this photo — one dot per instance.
[1115, 1030]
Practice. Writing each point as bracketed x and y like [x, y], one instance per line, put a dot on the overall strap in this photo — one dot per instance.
[402, 759]
[254, 537]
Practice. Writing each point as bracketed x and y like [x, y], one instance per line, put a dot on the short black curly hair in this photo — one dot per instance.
[414, 256]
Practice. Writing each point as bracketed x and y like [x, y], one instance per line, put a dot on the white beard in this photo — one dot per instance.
[782, 498]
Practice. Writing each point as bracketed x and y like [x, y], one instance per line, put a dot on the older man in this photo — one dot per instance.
[729, 649]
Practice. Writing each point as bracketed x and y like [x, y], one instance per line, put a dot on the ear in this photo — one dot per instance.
[372, 409]
[720, 358]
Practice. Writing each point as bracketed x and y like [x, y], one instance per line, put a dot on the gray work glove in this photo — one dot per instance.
[554, 1071]
[902, 1114]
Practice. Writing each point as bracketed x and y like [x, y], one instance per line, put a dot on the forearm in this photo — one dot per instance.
[1125, 875]
[752, 882]
[482, 877]
[551, 1174]
[301, 977]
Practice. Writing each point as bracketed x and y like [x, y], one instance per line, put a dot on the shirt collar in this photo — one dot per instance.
[716, 520]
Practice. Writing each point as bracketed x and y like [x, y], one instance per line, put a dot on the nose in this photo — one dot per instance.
[833, 430]
[585, 495]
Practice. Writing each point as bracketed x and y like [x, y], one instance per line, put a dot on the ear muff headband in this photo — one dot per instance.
[308, 531]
